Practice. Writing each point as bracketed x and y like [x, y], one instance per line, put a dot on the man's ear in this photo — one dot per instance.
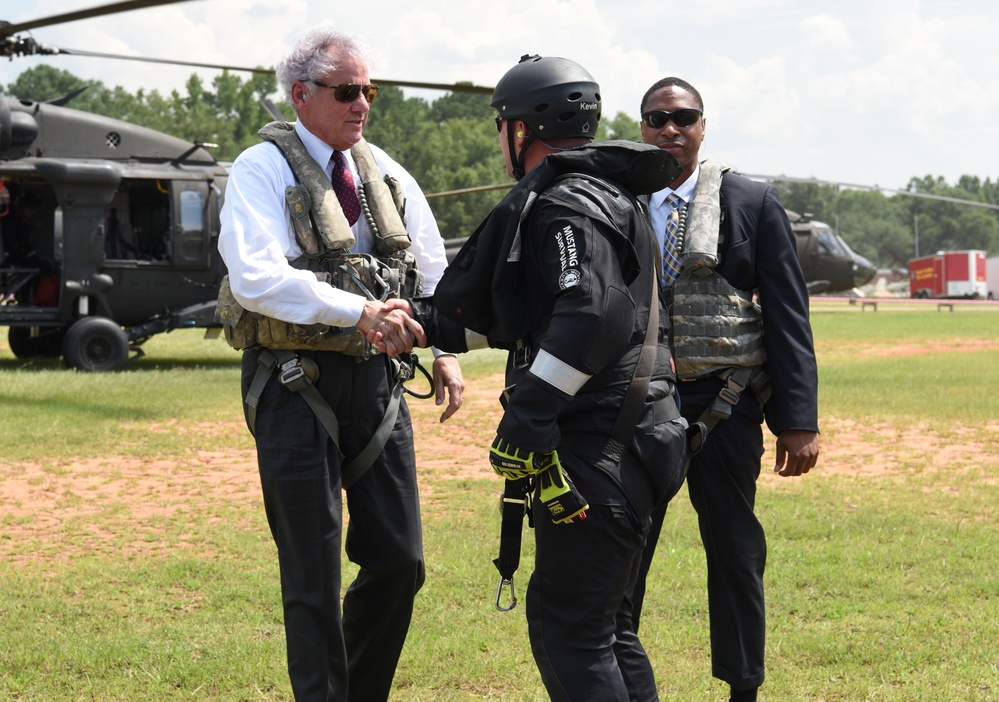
[298, 93]
[521, 130]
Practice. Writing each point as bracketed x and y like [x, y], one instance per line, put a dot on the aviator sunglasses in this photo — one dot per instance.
[348, 92]
[657, 119]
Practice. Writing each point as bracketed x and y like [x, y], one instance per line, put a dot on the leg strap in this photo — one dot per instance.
[299, 374]
[358, 465]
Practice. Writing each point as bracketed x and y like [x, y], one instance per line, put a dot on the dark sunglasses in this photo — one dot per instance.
[499, 123]
[348, 92]
[657, 119]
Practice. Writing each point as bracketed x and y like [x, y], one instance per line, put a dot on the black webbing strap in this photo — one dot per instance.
[513, 507]
[638, 388]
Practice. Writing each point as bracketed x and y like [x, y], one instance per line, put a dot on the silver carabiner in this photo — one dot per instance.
[499, 593]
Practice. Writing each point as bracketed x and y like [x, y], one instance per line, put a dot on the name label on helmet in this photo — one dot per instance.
[591, 106]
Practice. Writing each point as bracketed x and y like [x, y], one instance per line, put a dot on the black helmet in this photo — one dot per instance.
[556, 97]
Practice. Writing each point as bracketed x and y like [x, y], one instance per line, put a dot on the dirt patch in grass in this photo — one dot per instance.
[122, 502]
[939, 345]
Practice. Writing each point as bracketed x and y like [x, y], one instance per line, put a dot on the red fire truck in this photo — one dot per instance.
[948, 274]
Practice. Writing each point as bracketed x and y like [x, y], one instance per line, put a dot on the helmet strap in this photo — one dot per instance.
[516, 160]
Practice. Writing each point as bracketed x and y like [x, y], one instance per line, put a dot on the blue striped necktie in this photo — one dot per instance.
[671, 256]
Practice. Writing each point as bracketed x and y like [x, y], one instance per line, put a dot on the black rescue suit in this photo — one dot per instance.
[562, 274]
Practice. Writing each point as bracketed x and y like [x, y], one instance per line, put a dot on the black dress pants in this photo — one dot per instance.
[721, 483]
[334, 654]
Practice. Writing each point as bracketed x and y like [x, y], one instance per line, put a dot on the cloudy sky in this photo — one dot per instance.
[870, 92]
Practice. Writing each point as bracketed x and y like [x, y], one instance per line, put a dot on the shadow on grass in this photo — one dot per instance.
[141, 364]
[83, 407]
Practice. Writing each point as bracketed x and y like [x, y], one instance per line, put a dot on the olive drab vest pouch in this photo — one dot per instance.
[377, 192]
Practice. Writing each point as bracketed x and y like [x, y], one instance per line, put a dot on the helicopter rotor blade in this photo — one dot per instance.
[7, 30]
[452, 87]
[173, 62]
[873, 188]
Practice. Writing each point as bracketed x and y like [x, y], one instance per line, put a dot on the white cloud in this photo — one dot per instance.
[826, 32]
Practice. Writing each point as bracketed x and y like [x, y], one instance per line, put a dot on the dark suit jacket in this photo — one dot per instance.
[757, 252]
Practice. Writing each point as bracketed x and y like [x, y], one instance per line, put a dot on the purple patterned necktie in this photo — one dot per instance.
[343, 186]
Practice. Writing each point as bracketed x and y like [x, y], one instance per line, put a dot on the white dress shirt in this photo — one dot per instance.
[659, 210]
[257, 241]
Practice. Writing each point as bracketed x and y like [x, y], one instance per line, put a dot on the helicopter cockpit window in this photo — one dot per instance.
[828, 243]
[191, 211]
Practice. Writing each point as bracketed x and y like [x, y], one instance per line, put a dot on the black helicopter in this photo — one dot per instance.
[109, 234]
[828, 263]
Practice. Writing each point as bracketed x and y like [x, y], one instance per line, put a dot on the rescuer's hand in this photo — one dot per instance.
[558, 494]
[511, 462]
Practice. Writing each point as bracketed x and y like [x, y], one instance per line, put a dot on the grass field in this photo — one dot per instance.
[135, 562]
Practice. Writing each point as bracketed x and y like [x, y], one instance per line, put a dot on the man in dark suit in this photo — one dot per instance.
[755, 257]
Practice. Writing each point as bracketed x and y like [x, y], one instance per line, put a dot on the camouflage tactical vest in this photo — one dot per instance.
[715, 325]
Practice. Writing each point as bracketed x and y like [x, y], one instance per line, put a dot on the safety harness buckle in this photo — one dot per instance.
[522, 355]
[732, 390]
[294, 375]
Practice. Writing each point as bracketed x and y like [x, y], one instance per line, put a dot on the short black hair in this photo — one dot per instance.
[672, 81]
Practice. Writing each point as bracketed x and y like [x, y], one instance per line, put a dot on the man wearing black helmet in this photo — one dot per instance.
[563, 274]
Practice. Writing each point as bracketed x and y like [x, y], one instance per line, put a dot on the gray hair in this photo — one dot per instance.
[310, 57]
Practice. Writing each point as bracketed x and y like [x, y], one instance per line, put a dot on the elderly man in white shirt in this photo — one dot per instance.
[332, 653]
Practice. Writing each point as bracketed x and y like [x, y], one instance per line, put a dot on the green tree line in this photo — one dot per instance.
[450, 144]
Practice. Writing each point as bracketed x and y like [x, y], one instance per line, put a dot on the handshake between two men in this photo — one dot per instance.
[391, 326]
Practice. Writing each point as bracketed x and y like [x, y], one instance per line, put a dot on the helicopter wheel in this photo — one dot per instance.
[95, 344]
[48, 343]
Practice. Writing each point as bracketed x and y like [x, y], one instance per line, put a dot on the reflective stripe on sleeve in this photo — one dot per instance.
[474, 340]
[557, 373]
